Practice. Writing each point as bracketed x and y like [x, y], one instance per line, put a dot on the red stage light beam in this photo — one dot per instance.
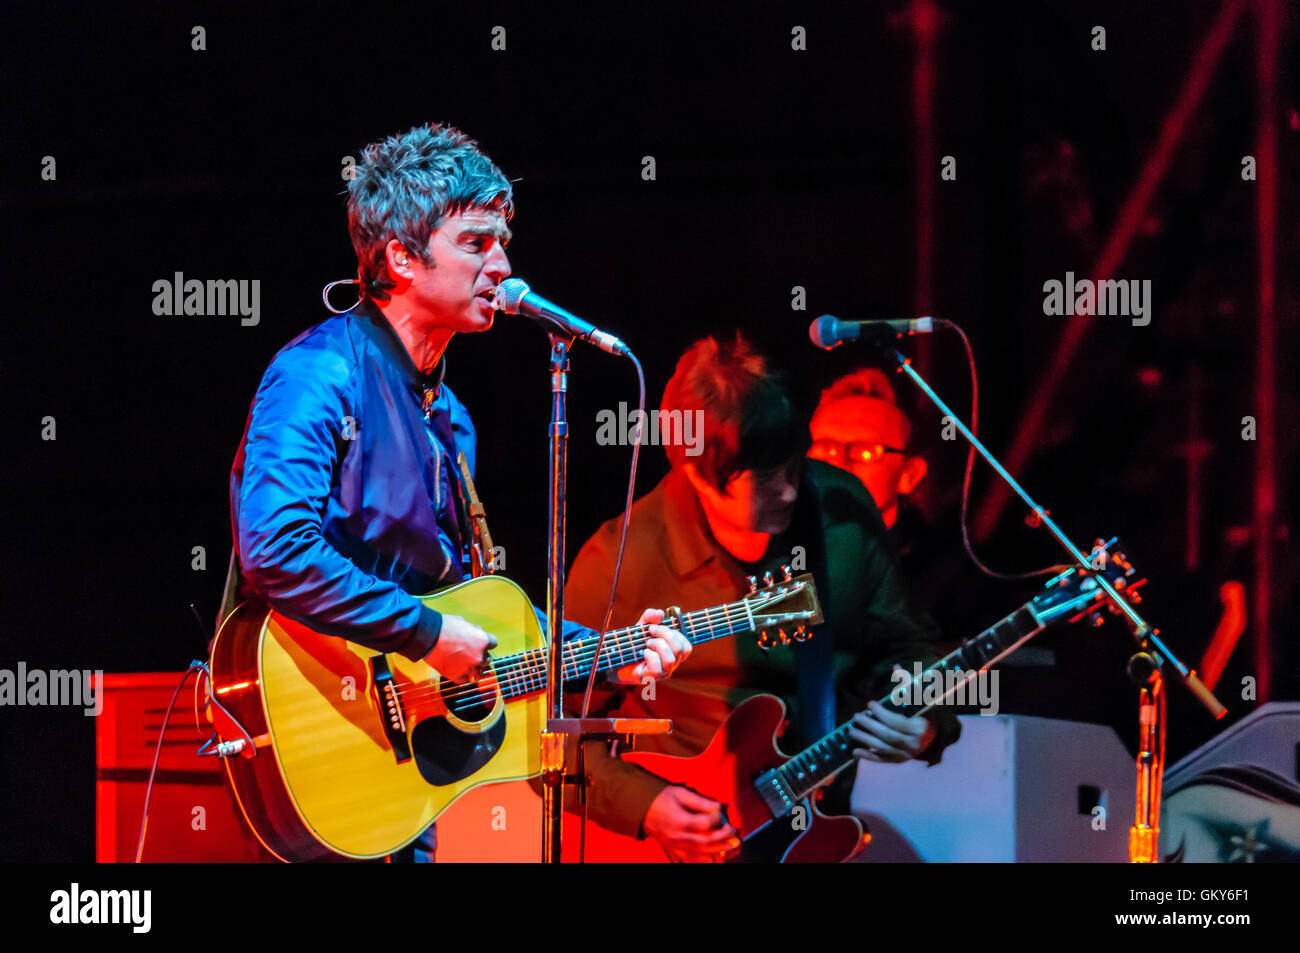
[1131, 215]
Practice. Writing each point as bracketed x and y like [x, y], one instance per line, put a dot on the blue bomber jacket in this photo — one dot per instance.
[343, 508]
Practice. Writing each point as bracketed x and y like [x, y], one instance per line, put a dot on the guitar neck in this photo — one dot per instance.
[626, 646]
[525, 672]
[816, 764]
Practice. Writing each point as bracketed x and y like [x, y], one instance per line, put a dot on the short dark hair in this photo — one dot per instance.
[750, 420]
[406, 185]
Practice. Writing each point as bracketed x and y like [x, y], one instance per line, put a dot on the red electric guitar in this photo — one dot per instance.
[770, 796]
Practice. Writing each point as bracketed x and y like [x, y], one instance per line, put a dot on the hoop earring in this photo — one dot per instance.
[325, 294]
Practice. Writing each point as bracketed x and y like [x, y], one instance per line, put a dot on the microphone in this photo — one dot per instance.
[513, 296]
[828, 332]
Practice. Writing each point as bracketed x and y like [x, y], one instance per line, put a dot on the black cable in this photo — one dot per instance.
[162, 732]
[613, 592]
[970, 464]
[622, 541]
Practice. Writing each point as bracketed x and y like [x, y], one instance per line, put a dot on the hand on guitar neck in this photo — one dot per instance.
[461, 652]
[889, 736]
[665, 649]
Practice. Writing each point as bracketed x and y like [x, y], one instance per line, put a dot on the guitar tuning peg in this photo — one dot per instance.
[801, 634]
[764, 640]
[753, 583]
[767, 579]
[787, 574]
[783, 636]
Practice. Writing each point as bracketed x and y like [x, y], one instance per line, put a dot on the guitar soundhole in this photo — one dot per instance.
[446, 752]
[470, 701]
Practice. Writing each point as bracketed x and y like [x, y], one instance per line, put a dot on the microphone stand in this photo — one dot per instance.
[553, 741]
[558, 728]
[1147, 663]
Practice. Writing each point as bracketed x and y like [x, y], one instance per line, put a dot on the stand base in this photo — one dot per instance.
[555, 739]
[1142, 843]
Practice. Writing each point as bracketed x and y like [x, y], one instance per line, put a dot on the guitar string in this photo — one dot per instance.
[808, 761]
[520, 671]
[517, 671]
[519, 668]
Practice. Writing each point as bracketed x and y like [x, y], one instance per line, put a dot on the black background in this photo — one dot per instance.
[775, 168]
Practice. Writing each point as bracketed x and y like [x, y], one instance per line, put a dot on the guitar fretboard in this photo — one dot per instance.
[525, 672]
[785, 786]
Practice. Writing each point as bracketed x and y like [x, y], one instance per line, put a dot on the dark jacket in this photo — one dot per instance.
[339, 504]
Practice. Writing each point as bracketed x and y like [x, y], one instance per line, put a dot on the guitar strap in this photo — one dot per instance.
[229, 596]
[454, 521]
[481, 555]
[815, 657]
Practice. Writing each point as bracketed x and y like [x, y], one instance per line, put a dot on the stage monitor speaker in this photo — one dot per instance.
[1013, 788]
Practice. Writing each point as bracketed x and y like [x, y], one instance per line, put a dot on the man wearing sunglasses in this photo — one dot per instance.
[859, 427]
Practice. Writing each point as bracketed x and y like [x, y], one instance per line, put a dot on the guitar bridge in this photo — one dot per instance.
[387, 698]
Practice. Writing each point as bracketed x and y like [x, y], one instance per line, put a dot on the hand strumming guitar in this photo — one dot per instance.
[690, 827]
[461, 652]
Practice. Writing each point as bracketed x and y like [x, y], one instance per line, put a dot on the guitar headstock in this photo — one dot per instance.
[783, 610]
[1077, 594]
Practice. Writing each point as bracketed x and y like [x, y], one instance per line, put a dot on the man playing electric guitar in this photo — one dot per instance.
[346, 499]
[745, 504]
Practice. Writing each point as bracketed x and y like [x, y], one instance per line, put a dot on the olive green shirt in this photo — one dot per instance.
[672, 559]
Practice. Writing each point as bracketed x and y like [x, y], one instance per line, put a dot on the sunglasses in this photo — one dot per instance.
[832, 451]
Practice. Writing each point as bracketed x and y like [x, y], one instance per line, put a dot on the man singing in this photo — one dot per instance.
[346, 500]
[745, 504]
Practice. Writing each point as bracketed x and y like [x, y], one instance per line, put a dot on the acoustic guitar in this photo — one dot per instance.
[337, 751]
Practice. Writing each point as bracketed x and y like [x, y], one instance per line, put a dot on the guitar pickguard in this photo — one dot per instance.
[445, 753]
[770, 843]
